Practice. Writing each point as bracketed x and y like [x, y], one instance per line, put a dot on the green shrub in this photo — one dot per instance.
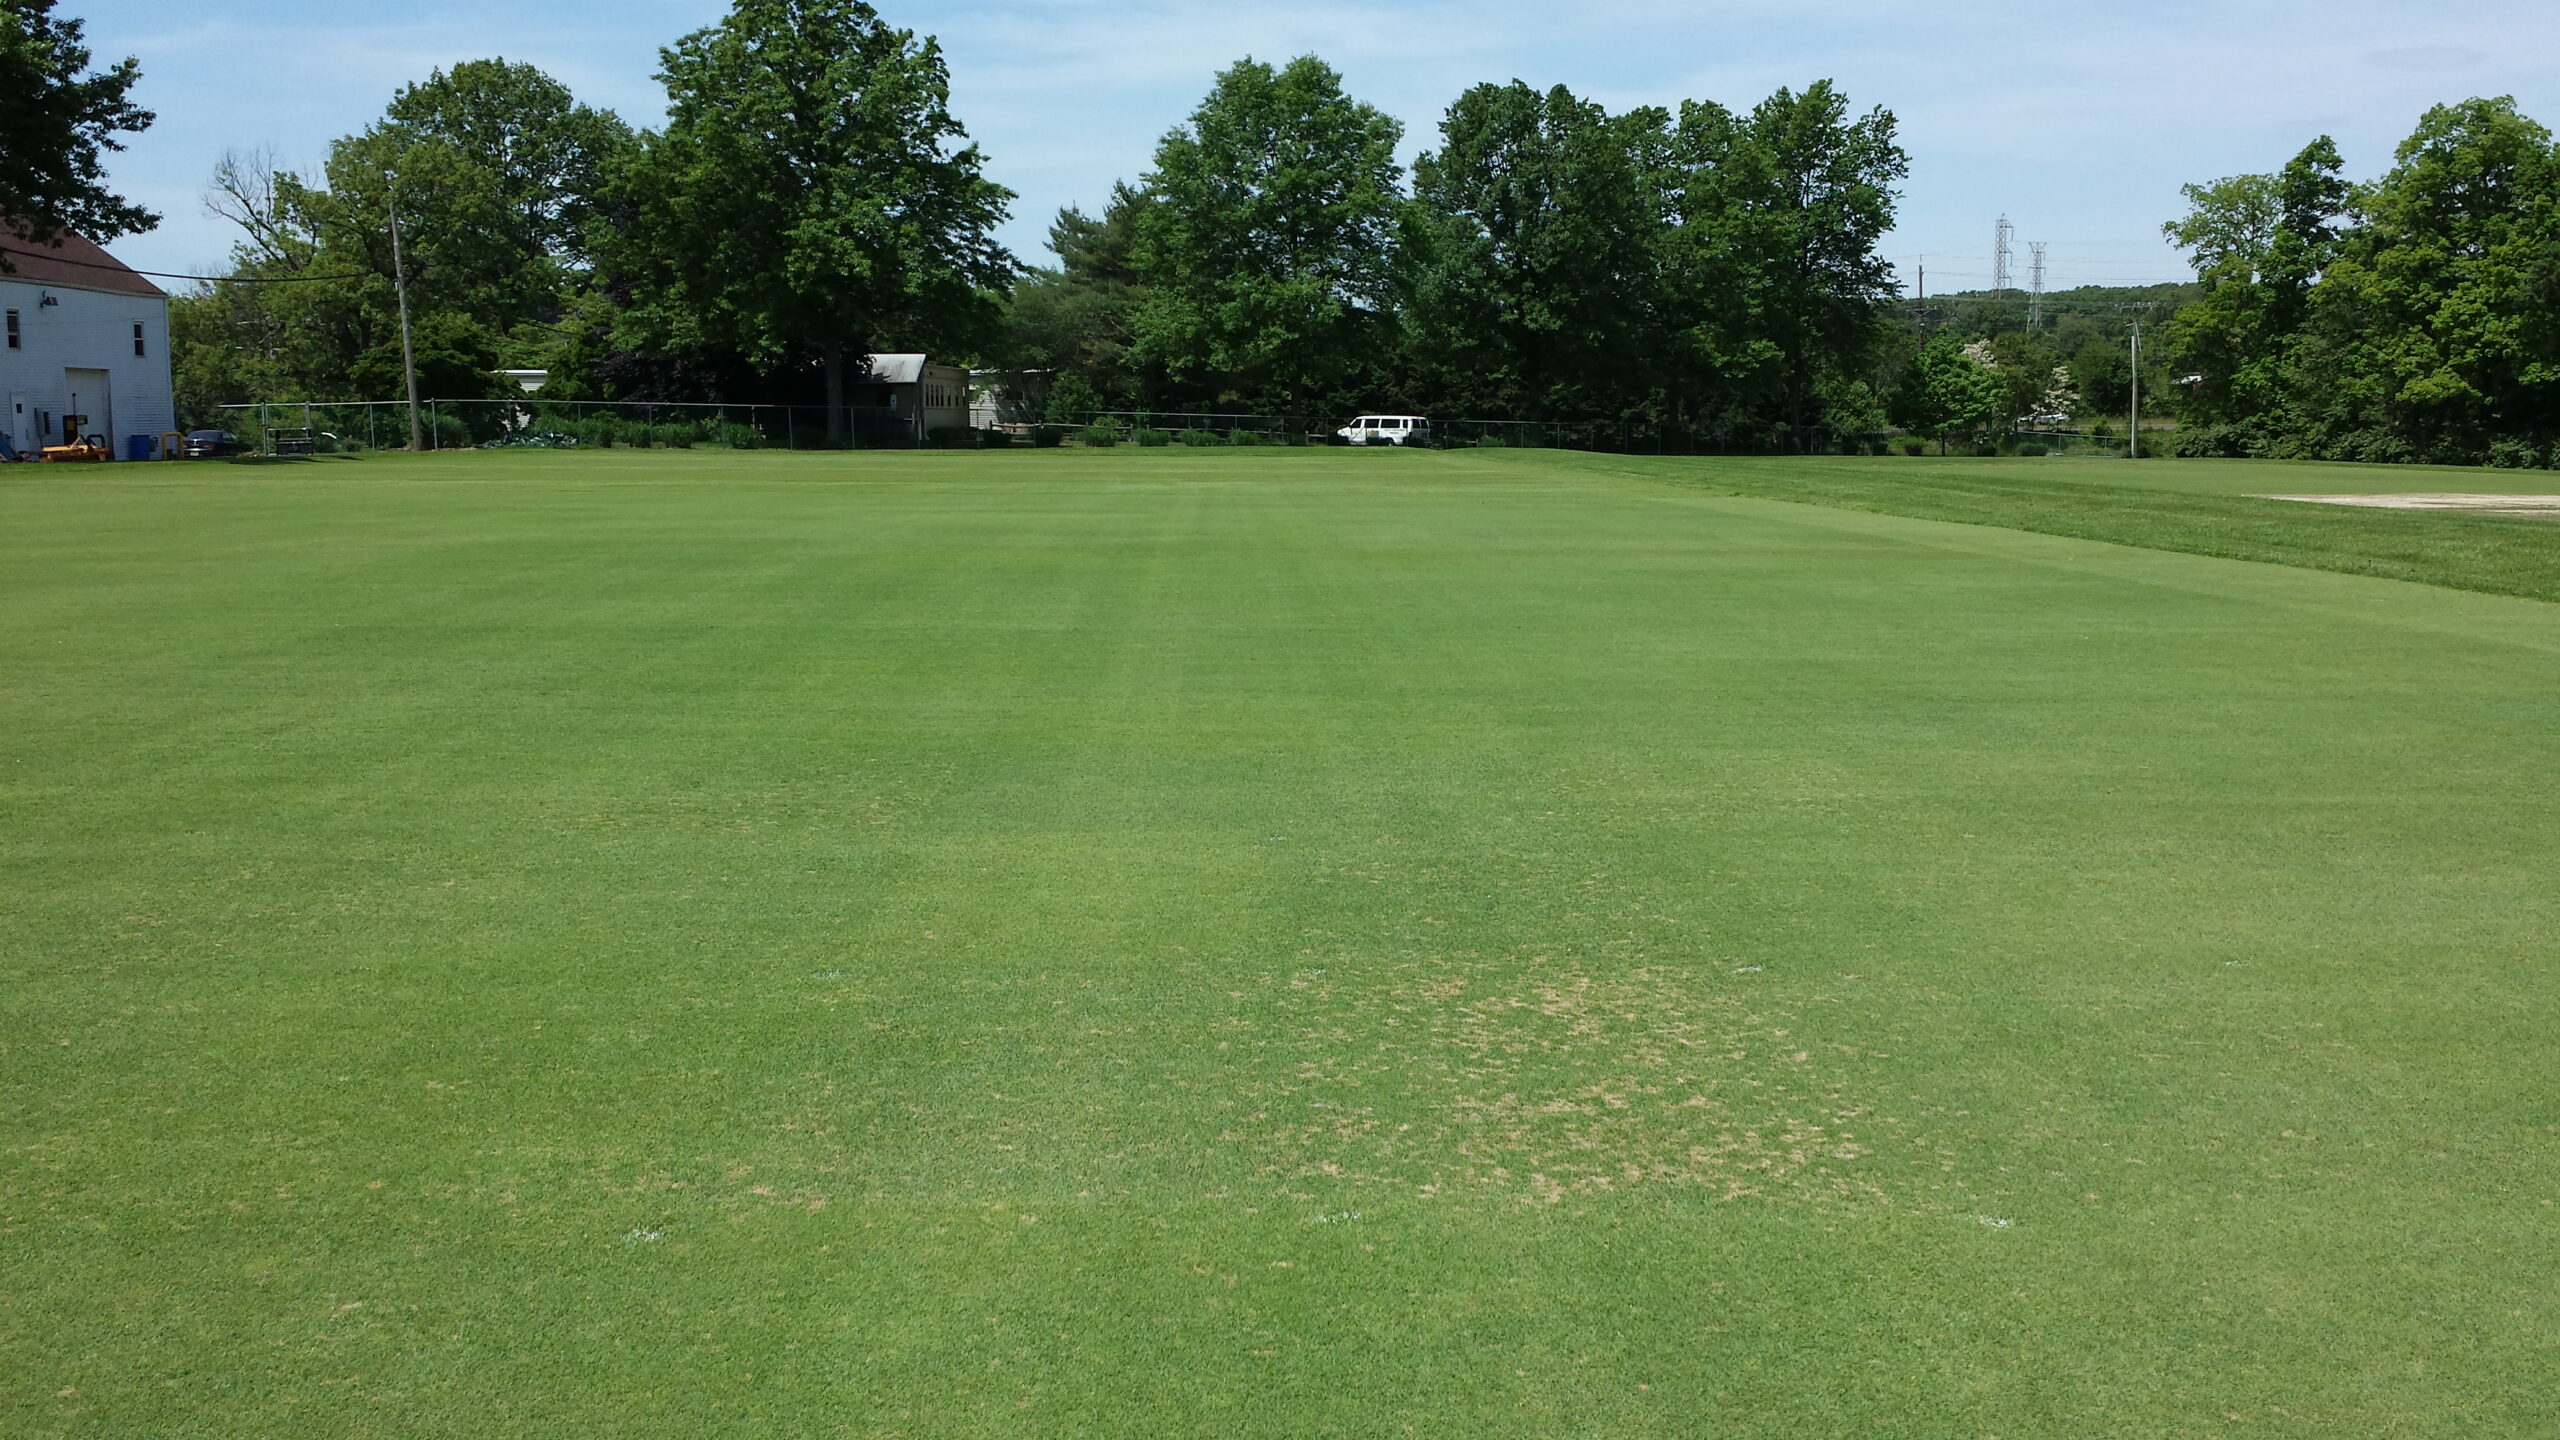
[1245, 437]
[994, 439]
[1910, 445]
[2031, 448]
[951, 437]
[1048, 437]
[1197, 437]
[1492, 442]
[1151, 437]
[1098, 435]
[2515, 454]
[2242, 441]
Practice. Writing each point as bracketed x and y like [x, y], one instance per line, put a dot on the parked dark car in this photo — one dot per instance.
[207, 444]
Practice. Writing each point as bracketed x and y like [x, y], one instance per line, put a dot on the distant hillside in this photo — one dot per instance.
[1976, 313]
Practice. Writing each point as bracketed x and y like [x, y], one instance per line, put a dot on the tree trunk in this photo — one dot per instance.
[834, 353]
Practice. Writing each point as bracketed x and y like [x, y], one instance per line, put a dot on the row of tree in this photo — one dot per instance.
[1550, 260]
[2413, 318]
[1710, 271]
[811, 197]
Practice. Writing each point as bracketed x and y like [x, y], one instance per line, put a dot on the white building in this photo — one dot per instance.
[907, 397]
[87, 341]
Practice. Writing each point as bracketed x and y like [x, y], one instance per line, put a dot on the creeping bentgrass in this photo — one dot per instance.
[1262, 943]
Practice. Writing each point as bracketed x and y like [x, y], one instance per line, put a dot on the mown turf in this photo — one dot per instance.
[1250, 945]
[2200, 507]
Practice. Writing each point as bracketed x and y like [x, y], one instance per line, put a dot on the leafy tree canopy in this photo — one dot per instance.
[811, 192]
[1079, 320]
[57, 120]
[493, 167]
[1950, 390]
[1532, 263]
[2409, 319]
[1268, 243]
[1794, 197]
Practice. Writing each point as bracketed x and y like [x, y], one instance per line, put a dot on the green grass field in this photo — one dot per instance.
[1272, 944]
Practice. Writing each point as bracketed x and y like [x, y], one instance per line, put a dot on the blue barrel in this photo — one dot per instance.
[139, 447]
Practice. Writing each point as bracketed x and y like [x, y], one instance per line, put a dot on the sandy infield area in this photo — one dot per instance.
[2539, 505]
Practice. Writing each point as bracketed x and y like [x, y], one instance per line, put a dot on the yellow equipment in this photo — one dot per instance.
[76, 446]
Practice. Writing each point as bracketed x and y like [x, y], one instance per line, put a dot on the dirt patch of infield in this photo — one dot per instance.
[2545, 506]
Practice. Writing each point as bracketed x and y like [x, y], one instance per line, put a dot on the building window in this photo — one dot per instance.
[13, 329]
[137, 339]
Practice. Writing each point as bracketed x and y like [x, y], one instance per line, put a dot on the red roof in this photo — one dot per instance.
[71, 261]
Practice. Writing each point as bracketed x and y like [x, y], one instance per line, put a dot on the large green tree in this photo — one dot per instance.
[2427, 338]
[811, 194]
[2258, 243]
[1268, 245]
[1079, 320]
[1781, 212]
[57, 120]
[1949, 390]
[493, 168]
[1531, 265]
[2408, 319]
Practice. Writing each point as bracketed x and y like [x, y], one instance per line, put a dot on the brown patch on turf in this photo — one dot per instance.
[1540, 1080]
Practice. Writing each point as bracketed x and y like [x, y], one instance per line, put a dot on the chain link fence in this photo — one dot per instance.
[299, 427]
[314, 428]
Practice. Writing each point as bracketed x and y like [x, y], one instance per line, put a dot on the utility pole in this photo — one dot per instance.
[2035, 285]
[2133, 423]
[408, 351]
[2000, 257]
[1924, 296]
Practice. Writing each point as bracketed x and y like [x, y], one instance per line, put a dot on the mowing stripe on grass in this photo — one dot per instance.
[2497, 555]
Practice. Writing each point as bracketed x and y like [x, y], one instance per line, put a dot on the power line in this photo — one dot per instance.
[171, 275]
[2062, 307]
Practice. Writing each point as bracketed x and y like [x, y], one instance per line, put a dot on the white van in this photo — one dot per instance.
[1387, 430]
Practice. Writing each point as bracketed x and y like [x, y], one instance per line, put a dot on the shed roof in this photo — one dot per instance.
[895, 369]
[72, 261]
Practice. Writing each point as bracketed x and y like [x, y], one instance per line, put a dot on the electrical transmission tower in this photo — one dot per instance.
[2000, 258]
[2035, 284]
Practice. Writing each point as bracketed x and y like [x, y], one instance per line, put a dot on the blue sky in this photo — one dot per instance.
[2078, 121]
